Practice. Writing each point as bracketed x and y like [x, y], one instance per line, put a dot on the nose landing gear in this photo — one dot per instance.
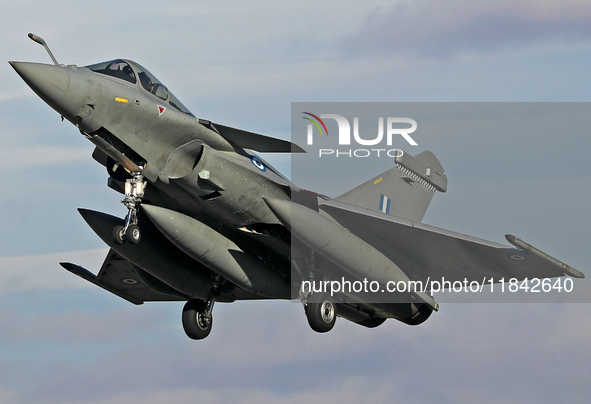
[134, 192]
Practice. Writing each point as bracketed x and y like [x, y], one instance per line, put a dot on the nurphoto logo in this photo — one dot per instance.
[344, 138]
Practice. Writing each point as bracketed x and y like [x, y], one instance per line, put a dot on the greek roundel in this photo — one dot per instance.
[258, 163]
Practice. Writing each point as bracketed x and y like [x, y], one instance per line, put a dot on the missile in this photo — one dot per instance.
[218, 253]
[566, 269]
[341, 247]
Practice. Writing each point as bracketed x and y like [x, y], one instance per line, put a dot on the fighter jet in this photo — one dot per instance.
[210, 221]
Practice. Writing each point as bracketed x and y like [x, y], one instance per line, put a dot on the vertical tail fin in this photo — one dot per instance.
[405, 190]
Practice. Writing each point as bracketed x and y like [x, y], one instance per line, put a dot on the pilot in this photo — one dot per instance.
[129, 72]
[146, 82]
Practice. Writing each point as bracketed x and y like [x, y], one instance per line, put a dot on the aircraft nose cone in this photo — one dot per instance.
[50, 82]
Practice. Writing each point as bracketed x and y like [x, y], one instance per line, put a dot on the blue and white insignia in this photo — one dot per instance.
[384, 204]
[258, 163]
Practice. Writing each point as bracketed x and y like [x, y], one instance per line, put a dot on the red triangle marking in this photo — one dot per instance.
[161, 109]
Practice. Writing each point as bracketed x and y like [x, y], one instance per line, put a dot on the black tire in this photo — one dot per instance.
[133, 234]
[321, 312]
[196, 323]
[118, 236]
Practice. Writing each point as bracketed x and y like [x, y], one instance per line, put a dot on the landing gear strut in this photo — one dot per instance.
[134, 192]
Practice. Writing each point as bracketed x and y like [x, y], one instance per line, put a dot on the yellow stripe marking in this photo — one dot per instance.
[121, 99]
[378, 180]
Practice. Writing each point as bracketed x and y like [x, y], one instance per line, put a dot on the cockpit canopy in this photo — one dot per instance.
[131, 72]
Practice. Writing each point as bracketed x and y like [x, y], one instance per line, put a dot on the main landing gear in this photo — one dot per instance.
[197, 313]
[321, 312]
[134, 192]
[197, 318]
[320, 308]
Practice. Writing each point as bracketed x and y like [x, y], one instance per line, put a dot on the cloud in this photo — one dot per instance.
[30, 156]
[264, 352]
[14, 94]
[348, 390]
[42, 272]
[8, 396]
[73, 326]
[443, 29]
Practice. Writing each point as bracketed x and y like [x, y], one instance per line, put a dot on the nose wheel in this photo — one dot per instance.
[133, 234]
[134, 192]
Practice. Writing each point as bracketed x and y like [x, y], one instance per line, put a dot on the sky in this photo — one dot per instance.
[62, 340]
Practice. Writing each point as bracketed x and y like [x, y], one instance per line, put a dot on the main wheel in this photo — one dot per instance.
[133, 234]
[196, 321]
[118, 236]
[321, 312]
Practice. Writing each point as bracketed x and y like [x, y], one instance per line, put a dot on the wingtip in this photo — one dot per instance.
[79, 271]
[522, 245]
[86, 214]
[297, 149]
